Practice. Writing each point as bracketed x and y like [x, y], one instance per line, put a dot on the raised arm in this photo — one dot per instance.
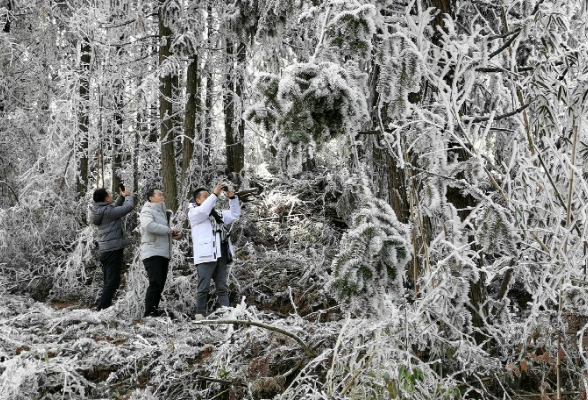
[122, 209]
[233, 214]
[198, 214]
[119, 200]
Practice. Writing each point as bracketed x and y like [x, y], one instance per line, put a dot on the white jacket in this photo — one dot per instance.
[156, 237]
[206, 243]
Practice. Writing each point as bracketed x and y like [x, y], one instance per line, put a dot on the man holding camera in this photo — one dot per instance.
[213, 250]
[111, 238]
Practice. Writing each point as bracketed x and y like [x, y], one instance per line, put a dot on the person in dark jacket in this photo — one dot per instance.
[111, 238]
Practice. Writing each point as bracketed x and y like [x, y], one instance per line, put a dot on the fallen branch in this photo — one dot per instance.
[309, 352]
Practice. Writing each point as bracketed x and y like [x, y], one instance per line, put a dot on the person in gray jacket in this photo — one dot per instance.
[111, 238]
[156, 246]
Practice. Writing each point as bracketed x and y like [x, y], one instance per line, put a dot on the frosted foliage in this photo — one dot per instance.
[70, 278]
[400, 63]
[322, 100]
[351, 30]
[310, 104]
[495, 233]
[143, 394]
[372, 257]
[465, 122]
[19, 380]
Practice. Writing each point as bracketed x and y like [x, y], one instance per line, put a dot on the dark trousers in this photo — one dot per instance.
[216, 271]
[156, 268]
[111, 265]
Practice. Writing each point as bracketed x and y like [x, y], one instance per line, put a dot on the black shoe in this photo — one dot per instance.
[170, 314]
[153, 313]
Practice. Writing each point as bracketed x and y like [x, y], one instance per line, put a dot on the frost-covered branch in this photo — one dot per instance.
[307, 350]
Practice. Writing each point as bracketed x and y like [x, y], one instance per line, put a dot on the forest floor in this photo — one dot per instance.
[66, 350]
[285, 336]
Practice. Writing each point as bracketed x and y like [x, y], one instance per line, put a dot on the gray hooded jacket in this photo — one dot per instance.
[107, 217]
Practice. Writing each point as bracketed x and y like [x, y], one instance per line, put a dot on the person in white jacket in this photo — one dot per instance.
[156, 246]
[213, 250]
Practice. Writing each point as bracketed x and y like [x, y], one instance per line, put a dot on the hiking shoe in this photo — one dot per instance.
[223, 312]
[199, 317]
[153, 313]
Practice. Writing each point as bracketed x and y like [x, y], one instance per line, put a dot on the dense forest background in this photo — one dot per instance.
[419, 229]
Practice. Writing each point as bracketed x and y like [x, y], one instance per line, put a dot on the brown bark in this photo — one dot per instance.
[83, 117]
[397, 189]
[234, 141]
[207, 131]
[166, 132]
[445, 10]
[192, 106]
[385, 165]
[117, 135]
[233, 92]
[228, 90]
[6, 28]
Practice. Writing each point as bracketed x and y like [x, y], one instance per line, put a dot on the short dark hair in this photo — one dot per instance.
[150, 193]
[100, 195]
[197, 192]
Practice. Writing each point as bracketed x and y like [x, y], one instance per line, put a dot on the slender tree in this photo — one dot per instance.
[166, 129]
[193, 106]
[234, 123]
[83, 117]
[206, 132]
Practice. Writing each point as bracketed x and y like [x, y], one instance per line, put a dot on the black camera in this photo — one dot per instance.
[225, 188]
[121, 187]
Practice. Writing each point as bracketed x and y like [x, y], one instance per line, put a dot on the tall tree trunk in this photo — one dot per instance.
[385, 165]
[397, 189]
[117, 134]
[6, 28]
[83, 117]
[235, 141]
[229, 95]
[206, 133]
[166, 131]
[192, 106]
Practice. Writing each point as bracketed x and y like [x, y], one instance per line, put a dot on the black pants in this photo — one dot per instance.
[111, 265]
[156, 268]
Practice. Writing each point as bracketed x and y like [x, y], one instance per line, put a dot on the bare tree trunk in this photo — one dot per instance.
[235, 142]
[192, 106]
[385, 165]
[166, 131]
[397, 189]
[83, 117]
[228, 92]
[206, 138]
[8, 17]
[117, 133]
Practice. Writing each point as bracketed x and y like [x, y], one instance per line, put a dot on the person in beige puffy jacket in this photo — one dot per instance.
[156, 246]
